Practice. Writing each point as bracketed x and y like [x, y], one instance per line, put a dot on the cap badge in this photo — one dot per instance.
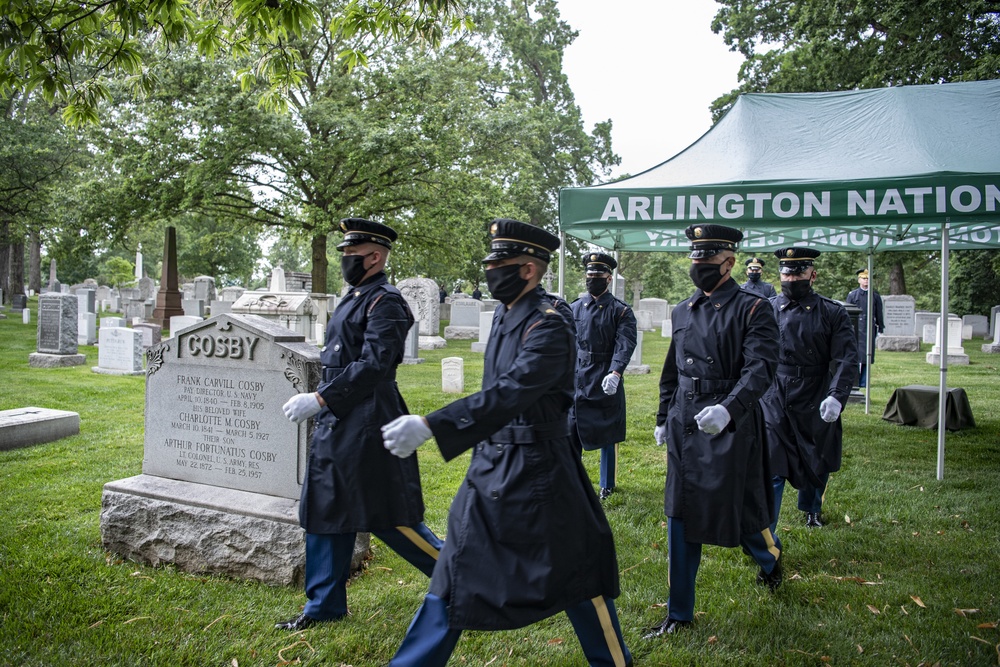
[493, 229]
[593, 258]
[697, 232]
[343, 227]
[789, 253]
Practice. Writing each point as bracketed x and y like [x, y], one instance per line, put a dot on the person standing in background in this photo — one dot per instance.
[859, 298]
[755, 282]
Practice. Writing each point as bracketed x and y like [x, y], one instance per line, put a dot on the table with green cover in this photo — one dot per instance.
[917, 405]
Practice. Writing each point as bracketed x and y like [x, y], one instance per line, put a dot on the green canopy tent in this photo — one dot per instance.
[904, 168]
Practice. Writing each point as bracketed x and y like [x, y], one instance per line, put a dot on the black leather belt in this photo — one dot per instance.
[586, 356]
[329, 373]
[699, 386]
[530, 433]
[802, 371]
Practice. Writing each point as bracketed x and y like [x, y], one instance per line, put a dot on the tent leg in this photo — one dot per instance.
[869, 327]
[562, 264]
[943, 346]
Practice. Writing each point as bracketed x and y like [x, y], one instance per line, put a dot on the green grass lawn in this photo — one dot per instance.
[906, 572]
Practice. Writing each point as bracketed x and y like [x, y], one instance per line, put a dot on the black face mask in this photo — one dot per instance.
[795, 289]
[505, 283]
[754, 277]
[352, 267]
[597, 286]
[705, 276]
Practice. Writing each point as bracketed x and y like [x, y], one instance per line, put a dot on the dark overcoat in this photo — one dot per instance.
[352, 483]
[818, 358]
[527, 537]
[723, 352]
[859, 298]
[760, 288]
[605, 339]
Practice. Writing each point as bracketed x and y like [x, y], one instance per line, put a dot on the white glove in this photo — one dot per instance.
[610, 383]
[713, 419]
[301, 407]
[660, 434]
[830, 409]
[404, 434]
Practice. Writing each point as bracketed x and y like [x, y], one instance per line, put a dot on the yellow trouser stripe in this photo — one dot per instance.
[614, 476]
[769, 541]
[610, 636]
[822, 498]
[415, 537]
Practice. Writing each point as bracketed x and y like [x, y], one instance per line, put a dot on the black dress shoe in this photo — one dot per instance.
[812, 520]
[606, 492]
[301, 622]
[773, 578]
[669, 626]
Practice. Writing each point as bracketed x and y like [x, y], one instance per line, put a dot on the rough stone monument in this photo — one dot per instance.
[168, 298]
[423, 292]
[464, 323]
[152, 334]
[204, 288]
[222, 468]
[899, 311]
[57, 336]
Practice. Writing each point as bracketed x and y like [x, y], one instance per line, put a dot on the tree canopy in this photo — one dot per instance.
[71, 51]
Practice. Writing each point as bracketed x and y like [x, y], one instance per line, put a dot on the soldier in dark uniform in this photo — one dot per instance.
[605, 340]
[754, 283]
[352, 484]
[818, 364]
[721, 361]
[859, 297]
[527, 538]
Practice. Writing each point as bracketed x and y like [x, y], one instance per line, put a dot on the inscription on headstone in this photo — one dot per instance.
[213, 405]
[57, 323]
[899, 315]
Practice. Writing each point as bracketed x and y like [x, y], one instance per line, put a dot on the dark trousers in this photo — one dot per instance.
[685, 557]
[429, 642]
[810, 497]
[609, 466]
[328, 564]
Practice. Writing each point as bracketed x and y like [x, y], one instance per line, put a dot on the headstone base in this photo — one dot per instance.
[479, 347]
[23, 427]
[43, 360]
[410, 361]
[116, 371]
[640, 369]
[934, 358]
[991, 348]
[898, 343]
[461, 333]
[856, 396]
[432, 343]
[208, 529]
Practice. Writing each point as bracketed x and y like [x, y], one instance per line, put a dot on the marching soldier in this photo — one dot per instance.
[754, 283]
[721, 361]
[605, 340]
[817, 367]
[527, 538]
[352, 484]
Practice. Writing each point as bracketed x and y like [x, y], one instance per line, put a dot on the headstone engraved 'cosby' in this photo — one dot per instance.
[222, 467]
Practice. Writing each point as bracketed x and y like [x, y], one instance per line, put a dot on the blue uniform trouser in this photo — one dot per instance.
[609, 466]
[810, 497]
[328, 564]
[429, 642]
[684, 558]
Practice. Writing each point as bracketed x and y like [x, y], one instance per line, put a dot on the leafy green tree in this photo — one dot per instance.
[973, 285]
[71, 51]
[118, 272]
[823, 45]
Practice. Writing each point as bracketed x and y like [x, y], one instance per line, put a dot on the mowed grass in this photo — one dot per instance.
[906, 572]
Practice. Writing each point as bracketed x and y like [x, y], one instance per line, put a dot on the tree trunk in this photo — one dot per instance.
[897, 280]
[5, 260]
[34, 262]
[319, 264]
[17, 268]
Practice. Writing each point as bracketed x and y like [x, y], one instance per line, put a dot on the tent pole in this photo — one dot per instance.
[869, 326]
[562, 264]
[943, 346]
